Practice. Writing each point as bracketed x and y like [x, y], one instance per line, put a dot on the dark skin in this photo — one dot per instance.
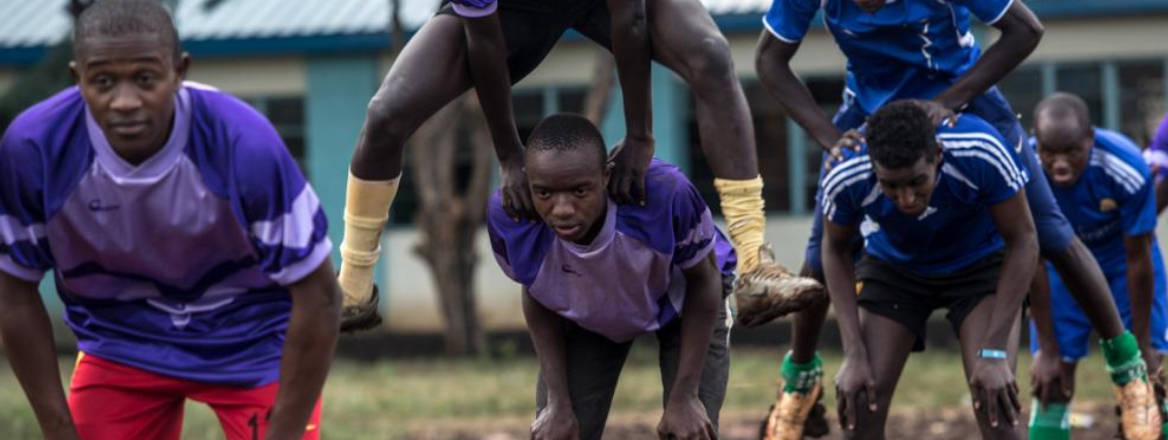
[569, 193]
[1161, 195]
[128, 83]
[681, 35]
[867, 377]
[1064, 146]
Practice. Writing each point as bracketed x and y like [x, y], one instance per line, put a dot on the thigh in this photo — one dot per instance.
[594, 365]
[114, 401]
[430, 71]
[716, 367]
[245, 413]
[678, 28]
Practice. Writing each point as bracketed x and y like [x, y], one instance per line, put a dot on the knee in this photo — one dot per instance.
[709, 65]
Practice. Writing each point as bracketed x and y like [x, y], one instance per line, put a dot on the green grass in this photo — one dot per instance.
[392, 398]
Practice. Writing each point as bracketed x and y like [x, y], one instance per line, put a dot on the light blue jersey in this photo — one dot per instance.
[907, 49]
[1113, 199]
[977, 171]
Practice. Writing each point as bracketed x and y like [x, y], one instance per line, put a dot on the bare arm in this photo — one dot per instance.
[1021, 32]
[1040, 311]
[1161, 195]
[486, 53]
[1138, 250]
[308, 351]
[557, 420]
[1013, 221]
[28, 341]
[840, 274]
[703, 298]
[773, 63]
[630, 47]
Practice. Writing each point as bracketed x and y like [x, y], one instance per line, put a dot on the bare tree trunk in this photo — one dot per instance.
[451, 214]
[600, 89]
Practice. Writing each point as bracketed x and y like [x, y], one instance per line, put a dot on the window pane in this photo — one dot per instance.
[1023, 88]
[1084, 80]
[1141, 94]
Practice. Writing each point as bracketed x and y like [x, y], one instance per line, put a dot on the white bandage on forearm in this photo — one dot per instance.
[742, 206]
[366, 211]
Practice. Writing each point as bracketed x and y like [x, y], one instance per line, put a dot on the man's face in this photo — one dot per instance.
[910, 188]
[128, 83]
[569, 190]
[870, 6]
[1064, 151]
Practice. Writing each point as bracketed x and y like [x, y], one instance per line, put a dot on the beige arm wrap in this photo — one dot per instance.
[742, 205]
[366, 211]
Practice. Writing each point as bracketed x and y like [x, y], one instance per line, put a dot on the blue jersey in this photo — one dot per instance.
[1113, 199]
[178, 265]
[907, 49]
[629, 280]
[977, 171]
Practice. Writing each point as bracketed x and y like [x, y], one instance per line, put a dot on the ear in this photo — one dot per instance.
[938, 151]
[180, 68]
[73, 71]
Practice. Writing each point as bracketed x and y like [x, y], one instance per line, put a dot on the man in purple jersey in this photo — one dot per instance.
[190, 253]
[1157, 157]
[596, 275]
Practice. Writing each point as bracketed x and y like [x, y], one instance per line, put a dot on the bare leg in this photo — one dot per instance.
[807, 324]
[889, 344]
[971, 336]
[685, 39]
[412, 92]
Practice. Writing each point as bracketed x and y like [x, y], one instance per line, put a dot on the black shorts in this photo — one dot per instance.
[909, 299]
[532, 27]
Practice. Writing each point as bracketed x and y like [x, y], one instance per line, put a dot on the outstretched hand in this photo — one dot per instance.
[630, 161]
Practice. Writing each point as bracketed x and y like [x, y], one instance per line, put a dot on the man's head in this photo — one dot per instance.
[128, 64]
[1062, 127]
[870, 6]
[903, 147]
[567, 168]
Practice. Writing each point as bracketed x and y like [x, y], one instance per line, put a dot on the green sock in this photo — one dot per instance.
[801, 378]
[1052, 422]
[1124, 363]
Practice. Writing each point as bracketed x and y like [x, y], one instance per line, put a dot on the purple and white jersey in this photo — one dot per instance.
[178, 265]
[629, 280]
[1156, 155]
[474, 8]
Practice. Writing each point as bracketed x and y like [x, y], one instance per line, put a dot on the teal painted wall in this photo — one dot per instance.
[338, 89]
[670, 108]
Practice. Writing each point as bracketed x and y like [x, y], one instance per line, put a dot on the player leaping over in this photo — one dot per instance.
[489, 45]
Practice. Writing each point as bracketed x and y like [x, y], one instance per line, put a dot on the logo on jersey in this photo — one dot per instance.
[1108, 205]
[96, 205]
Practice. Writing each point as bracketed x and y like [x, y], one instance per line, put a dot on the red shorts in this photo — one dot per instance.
[109, 400]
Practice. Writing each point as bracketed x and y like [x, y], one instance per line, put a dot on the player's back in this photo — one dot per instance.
[628, 280]
[173, 265]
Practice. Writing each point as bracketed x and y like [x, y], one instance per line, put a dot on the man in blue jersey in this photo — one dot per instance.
[946, 225]
[1105, 189]
[911, 50]
[189, 251]
[596, 275]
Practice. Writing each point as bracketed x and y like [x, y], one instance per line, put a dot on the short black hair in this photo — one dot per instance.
[899, 134]
[1063, 106]
[568, 132]
[117, 18]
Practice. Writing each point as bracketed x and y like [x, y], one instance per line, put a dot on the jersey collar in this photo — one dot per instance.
[160, 162]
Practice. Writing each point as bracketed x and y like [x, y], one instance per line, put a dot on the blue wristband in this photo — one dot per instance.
[989, 353]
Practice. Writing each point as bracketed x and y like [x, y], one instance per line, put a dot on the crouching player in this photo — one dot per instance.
[188, 249]
[596, 275]
[1104, 188]
[947, 226]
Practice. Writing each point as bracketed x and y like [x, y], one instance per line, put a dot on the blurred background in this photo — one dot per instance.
[452, 359]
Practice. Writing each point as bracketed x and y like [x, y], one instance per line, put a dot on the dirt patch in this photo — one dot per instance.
[940, 424]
